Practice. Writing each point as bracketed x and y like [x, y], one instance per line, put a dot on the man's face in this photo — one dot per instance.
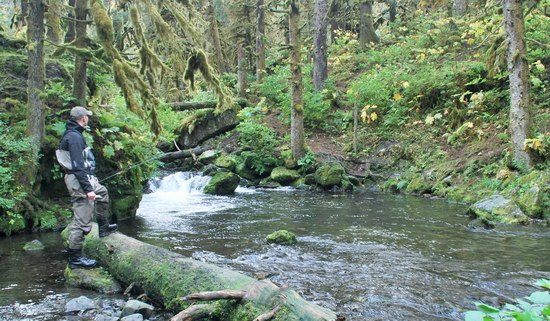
[85, 120]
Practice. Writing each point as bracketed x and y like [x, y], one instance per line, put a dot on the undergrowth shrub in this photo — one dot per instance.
[15, 157]
[258, 142]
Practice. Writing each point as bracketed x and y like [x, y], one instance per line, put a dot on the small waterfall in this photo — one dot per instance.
[182, 183]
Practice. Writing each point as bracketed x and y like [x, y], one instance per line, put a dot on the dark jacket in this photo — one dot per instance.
[82, 158]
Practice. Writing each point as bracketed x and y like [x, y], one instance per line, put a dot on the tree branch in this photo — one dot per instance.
[215, 295]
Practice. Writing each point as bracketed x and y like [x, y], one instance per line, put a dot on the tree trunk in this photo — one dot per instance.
[366, 28]
[216, 37]
[168, 277]
[36, 73]
[333, 20]
[69, 36]
[297, 137]
[520, 117]
[241, 72]
[392, 9]
[53, 21]
[260, 45]
[459, 8]
[80, 64]
[355, 124]
[320, 71]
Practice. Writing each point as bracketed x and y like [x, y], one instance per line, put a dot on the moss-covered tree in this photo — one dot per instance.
[320, 71]
[297, 136]
[80, 63]
[518, 67]
[36, 112]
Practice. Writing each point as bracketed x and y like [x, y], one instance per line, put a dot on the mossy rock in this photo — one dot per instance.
[125, 207]
[329, 175]
[243, 170]
[208, 157]
[282, 237]
[223, 183]
[284, 175]
[346, 184]
[499, 210]
[268, 183]
[418, 185]
[531, 192]
[225, 161]
[93, 279]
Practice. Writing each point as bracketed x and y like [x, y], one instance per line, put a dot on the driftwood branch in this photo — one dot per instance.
[194, 312]
[268, 316]
[215, 295]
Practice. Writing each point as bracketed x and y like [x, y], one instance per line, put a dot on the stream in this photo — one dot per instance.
[366, 255]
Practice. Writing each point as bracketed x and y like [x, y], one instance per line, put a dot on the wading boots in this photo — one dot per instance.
[105, 228]
[76, 260]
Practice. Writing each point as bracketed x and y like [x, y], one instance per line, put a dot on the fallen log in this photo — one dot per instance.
[168, 277]
[171, 156]
[190, 105]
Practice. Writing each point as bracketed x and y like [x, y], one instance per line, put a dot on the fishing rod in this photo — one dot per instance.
[134, 165]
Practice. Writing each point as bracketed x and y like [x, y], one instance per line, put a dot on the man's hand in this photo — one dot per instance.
[91, 196]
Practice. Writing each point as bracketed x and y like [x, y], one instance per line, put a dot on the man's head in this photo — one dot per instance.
[80, 115]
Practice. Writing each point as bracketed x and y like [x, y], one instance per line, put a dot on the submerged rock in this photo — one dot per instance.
[81, 303]
[282, 237]
[284, 175]
[222, 183]
[133, 307]
[498, 209]
[94, 279]
[34, 245]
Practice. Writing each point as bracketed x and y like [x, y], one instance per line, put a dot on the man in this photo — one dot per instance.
[77, 159]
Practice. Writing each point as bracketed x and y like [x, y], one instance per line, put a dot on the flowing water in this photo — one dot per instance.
[366, 255]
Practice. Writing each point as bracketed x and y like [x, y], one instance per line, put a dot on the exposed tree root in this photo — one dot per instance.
[268, 316]
[194, 312]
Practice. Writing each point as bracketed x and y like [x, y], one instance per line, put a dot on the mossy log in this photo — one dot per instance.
[169, 278]
[189, 105]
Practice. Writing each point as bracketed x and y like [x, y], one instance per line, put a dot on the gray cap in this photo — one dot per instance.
[79, 112]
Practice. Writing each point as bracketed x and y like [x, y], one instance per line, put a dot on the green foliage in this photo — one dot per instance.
[308, 162]
[14, 161]
[535, 307]
[259, 141]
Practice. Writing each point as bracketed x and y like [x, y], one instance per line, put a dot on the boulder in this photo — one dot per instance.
[243, 167]
[223, 183]
[208, 126]
[81, 303]
[268, 183]
[137, 307]
[282, 237]
[102, 317]
[329, 175]
[94, 279]
[498, 209]
[208, 157]
[34, 245]
[283, 175]
[226, 162]
[133, 317]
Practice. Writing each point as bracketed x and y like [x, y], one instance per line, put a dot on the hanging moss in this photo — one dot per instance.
[150, 62]
[198, 61]
[496, 55]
